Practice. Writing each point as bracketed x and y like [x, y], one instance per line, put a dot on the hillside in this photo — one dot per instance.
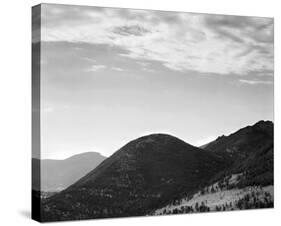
[248, 151]
[246, 183]
[57, 175]
[243, 142]
[161, 174]
[250, 197]
[143, 175]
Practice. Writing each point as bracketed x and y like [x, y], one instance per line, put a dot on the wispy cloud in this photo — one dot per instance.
[96, 68]
[89, 59]
[135, 30]
[179, 41]
[118, 69]
[254, 82]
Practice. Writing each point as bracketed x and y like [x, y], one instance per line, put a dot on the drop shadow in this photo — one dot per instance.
[25, 213]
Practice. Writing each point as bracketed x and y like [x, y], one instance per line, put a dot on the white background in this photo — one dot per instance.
[15, 110]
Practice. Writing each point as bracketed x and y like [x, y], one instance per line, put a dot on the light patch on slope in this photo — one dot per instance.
[218, 198]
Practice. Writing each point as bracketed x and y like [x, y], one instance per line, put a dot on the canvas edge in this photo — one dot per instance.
[35, 80]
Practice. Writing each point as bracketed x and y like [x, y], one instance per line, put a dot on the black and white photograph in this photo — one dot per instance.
[148, 112]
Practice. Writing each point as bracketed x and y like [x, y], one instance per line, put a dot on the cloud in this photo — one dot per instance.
[135, 30]
[254, 82]
[117, 69]
[181, 42]
[89, 59]
[145, 66]
[96, 68]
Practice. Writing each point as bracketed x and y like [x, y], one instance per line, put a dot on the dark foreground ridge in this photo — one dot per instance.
[143, 175]
[151, 171]
[249, 150]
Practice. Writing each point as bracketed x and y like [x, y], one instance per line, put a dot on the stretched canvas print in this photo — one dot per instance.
[143, 113]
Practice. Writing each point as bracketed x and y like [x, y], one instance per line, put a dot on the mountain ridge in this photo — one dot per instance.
[87, 153]
[57, 175]
[248, 150]
[137, 177]
[151, 171]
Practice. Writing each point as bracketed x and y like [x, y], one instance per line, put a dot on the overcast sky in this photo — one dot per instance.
[111, 75]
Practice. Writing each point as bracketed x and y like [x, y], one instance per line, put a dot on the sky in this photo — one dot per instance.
[111, 75]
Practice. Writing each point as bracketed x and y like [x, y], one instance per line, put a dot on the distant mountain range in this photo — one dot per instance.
[57, 175]
[156, 170]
